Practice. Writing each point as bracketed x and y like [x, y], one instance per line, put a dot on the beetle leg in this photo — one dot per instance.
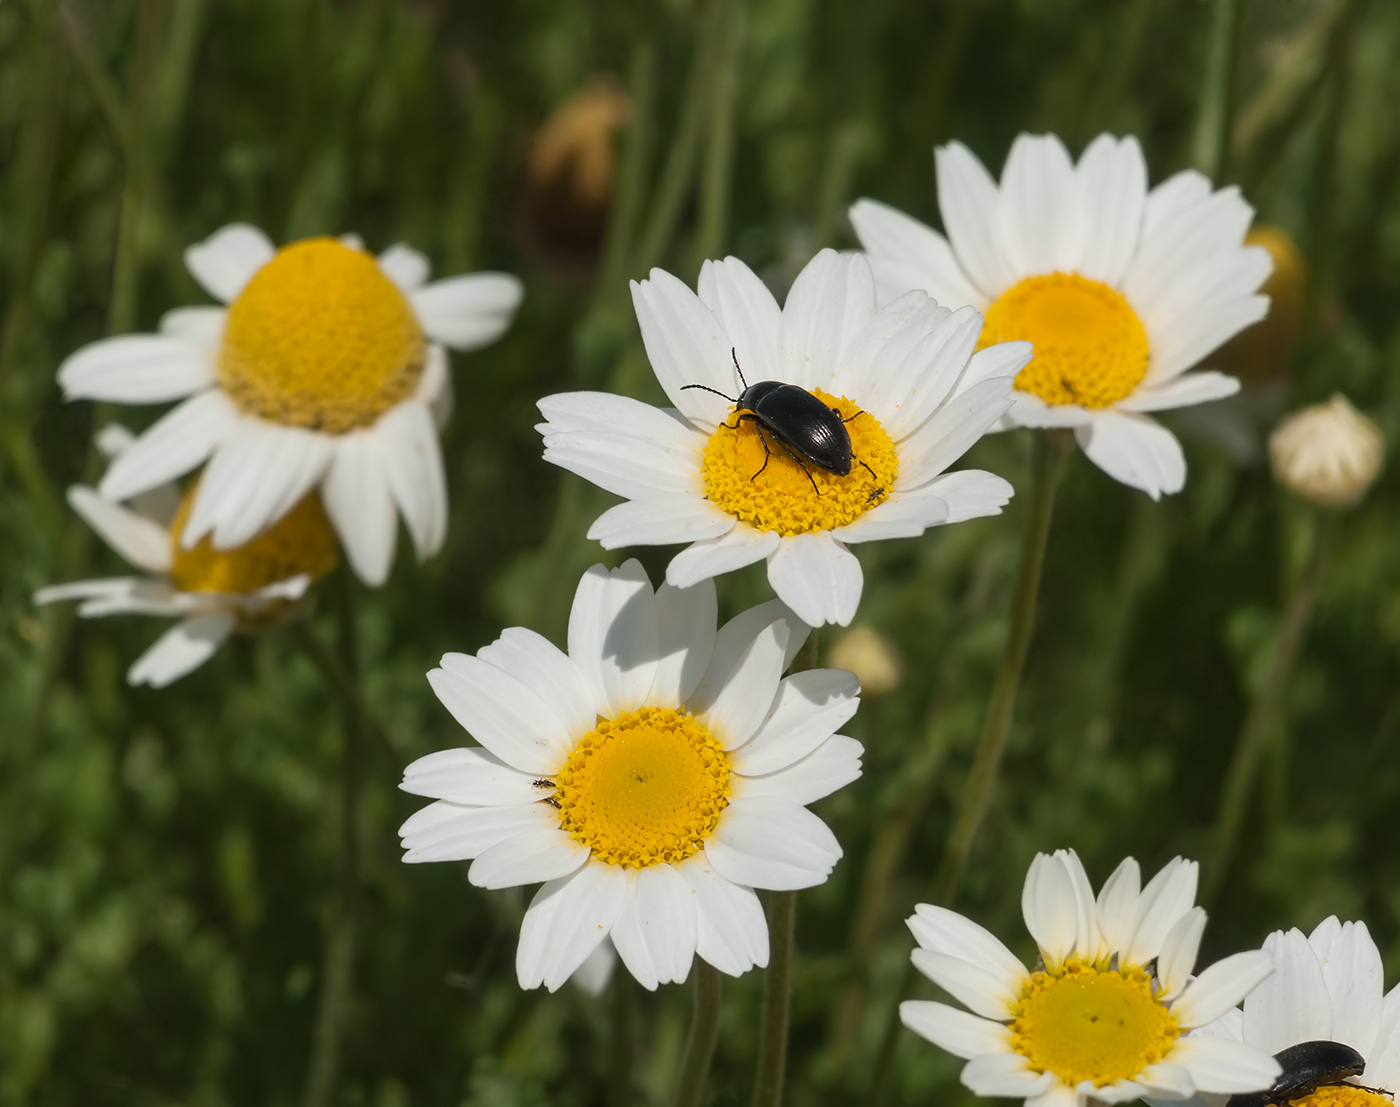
[788, 450]
[867, 468]
[767, 453]
[854, 417]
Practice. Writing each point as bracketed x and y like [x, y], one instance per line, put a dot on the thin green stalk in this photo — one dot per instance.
[99, 81]
[338, 974]
[704, 1032]
[121, 311]
[338, 679]
[1052, 449]
[715, 179]
[1219, 89]
[777, 1000]
[625, 211]
[1264, 710]
[620, 1044]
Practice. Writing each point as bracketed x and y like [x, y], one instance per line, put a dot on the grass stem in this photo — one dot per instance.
[704, 1032]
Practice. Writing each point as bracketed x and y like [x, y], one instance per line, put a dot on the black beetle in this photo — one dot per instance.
[798, 421]
[1307, 1066]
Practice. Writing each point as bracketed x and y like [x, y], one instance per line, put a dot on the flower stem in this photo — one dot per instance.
[1259, 721]
[704, 1030]
[719, 156]
[338, 973]
[1052, 449]
[339, 681]
[620, 1045]
[777, 999]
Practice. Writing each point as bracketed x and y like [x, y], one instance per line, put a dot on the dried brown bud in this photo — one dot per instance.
[1328, 453]
[872, 657]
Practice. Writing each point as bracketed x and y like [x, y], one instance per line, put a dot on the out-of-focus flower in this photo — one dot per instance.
[872, 657]
[1326, 987]
[910, 391]
[326, 370]
[1120, 290]
[212, 592]
[1328, 453]
[651, 778]
[1103, 1018]
[1262, 353]
[569, 172]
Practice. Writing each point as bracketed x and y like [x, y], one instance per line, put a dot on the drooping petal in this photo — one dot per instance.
[176, 443]
[816, 576]
[711, 557]
[357, 500]
[1134, 450]
[181, 649]
[407, 441]
[141, 542]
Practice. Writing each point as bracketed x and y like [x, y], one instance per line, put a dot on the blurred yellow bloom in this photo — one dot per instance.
[1263, 352]
[872, 657]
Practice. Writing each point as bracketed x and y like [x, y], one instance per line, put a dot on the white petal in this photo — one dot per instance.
[906, 254]
[817, 577]
[1002, 359]
[1054, 1094]
[566, 921]
[830, 302]
[530, 857]
[471, 776]
[1293, 1004]
[943, 931]
[749, 314]
[1351, 968]
[900, 516]
[593, 975]
[810, 707]
[732, 644]
[970, 494]
[1009, 1074]
[1113, 181]
[137, 369]
[143, 543]
[740, 705]
[1166, 1081]
[1029, 410]
[1179, 950]
[1176, 195]
[1227, 275]
[1221, 986]
[685, 621]
[468, 312]
[659, 521]
[1134, 450]
[176, 443]
[505, 716]
[1051, 909]
[732, 932]
[1117, 905]
[613, 636]
[202, 325]
[951, 432]
[655, 931]
[627, 465]
[357, 499]
[770, 843]
[1182, 243]
[711, 557]
[1383, 1062]
[117, 596]
[405, 266]
[1041, 210]
[225, 261]
[686, 344]
[407, 442]
[974, 987]
[890, 356]
[1200, 334]
[546, 670]
[435, 386]
[1168, 896]
[181, 649]
[1224, 1067]
[446, 831]
[967, 197]
[937, 365]
[1194, 388]
[831, 766]
[961, 1034]
[1088, 937]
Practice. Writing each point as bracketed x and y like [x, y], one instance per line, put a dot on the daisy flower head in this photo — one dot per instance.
[902, 385]
[1104, 1013]
[211, 592]
[326, 370]
[1120, 289]
[650, 778]
[1328, 986]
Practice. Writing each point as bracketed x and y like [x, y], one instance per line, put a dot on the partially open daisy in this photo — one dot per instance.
[651, 777]
[905, 387]
[326, 370]
[1326, 987]
[212, 592]
[1103, 1015]
[1121, 290]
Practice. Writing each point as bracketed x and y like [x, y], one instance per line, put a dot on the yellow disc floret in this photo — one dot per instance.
[1343, 1095]
[321, 338]
[1090, 1024]
[645, 787]
[302, 541]
[1090, 346]
[782, 497]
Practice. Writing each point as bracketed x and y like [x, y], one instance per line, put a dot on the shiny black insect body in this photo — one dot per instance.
[798, 421]
[1307, 1066]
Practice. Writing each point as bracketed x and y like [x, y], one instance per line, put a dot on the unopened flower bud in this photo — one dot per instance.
[1328, 453]
[872, 657]
[1262, 353]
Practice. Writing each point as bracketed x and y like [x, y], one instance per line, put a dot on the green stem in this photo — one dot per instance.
[121, 312]
[704, 1031]
[719, 159]
[777, 1000]
[1052, 450]
[338, 679]
[1220, 89]
[1264, 710]
[620, 1066]
[338, 975]
[627, 201]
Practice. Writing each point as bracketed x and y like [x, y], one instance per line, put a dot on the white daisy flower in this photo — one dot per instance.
[1326, 987]
[212, 592]
[1121, 290]
[1103, 1015]
[911, 393]
[651, 778]
[326, 370]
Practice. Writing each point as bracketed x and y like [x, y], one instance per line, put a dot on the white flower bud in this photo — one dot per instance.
[1328, 453]
[872, 657]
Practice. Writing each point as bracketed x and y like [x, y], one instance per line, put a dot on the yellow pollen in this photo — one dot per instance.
[1090, 346]
[1342, 1095]
[321, 338]
[1087, 1024]
[645, 787]
[302, 541]
[782, 498]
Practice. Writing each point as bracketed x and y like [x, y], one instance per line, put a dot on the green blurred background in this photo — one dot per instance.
[169, 859]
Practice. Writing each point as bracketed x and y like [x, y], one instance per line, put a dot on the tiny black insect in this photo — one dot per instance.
[1307, 1066]
[798, 421]
[543, 783]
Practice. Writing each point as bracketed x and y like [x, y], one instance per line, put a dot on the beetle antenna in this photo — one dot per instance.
[734, 353]
[707, 388]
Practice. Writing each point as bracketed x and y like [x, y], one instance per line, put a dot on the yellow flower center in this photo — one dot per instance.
[1087, 1024]
[643, 788]
[321, 338]
[1090, 346]
[302, 541]
[1343, 1095]
[791, 497]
